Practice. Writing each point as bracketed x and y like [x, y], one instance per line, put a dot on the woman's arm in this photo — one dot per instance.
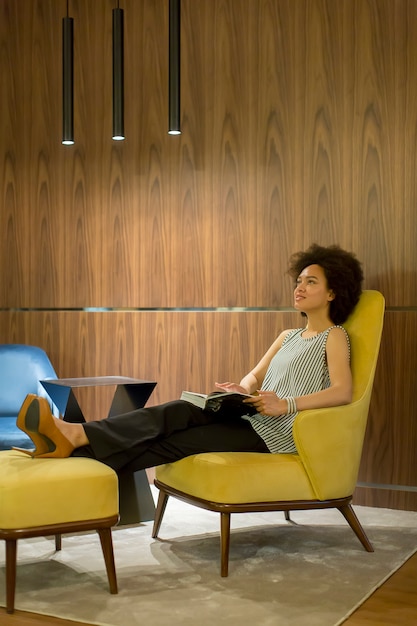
[339, 392]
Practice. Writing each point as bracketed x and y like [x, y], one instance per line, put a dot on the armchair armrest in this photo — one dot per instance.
[329, 442]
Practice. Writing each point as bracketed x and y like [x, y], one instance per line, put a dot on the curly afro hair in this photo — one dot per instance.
[343, 273]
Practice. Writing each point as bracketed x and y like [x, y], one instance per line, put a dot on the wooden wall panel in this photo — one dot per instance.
[392, 429]
[180, 350]
[374, 129]
[12, 188]
[299, 124]
[296, 118]
[275, 159]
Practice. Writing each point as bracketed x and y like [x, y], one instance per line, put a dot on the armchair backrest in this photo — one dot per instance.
[329, 441]
[22, 367]
[364, 327]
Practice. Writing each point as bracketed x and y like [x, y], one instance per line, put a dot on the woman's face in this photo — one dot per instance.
[311, 291]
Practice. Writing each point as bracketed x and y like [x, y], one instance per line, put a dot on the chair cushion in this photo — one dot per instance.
[39, 492]
[239, 477]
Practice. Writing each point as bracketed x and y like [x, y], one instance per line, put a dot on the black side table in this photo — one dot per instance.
[136, 503]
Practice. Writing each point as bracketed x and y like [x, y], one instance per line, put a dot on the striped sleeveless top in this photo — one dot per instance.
[298, 368]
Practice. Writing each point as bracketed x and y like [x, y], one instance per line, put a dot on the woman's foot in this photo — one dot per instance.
[36, 420]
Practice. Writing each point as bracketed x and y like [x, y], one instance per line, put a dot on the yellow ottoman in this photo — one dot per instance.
[40, 497]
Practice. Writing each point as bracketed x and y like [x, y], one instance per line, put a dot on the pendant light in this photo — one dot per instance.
[67, 80]
[174, 62]
[118, 75]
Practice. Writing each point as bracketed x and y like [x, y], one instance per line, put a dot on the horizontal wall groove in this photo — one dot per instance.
[93, 309]
[232, 309]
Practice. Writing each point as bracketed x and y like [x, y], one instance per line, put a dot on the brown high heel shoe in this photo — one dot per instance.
[28, 421]
[40, 426]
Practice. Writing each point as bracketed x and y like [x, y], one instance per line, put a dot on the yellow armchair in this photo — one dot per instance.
[322, 474]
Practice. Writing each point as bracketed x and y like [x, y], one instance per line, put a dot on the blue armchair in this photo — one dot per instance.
[21, 369]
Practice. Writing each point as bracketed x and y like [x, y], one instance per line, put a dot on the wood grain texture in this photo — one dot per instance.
[299, 124]
[383, 497]
[276, 227]
[179, 350]
[391, 439]
[11, 114]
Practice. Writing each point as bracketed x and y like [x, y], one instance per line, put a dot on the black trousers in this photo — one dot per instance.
[161, 434]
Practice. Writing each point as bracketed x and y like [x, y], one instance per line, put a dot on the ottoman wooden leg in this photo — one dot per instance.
[11, 556]
[107, 547]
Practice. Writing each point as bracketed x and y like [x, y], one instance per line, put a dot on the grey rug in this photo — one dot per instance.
[311, 572]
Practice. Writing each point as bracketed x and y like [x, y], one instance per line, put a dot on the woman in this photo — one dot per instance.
[305, 368]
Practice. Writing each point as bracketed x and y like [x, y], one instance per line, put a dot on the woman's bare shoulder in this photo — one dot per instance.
[284, 334]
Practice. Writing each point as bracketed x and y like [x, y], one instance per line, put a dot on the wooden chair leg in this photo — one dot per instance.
[287, 516]
[224, 543]
[159, 513]
[107, 548]
[11, 558]
[350, 516]
[58, 542]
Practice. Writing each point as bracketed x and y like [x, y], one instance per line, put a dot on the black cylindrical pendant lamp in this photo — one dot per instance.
[67, 81]
[174, 80]
[118, 75]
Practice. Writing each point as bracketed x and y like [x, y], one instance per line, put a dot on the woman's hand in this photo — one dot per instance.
[267, 403]
[231, 387]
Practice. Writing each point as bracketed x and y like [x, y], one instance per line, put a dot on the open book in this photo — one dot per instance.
[216, 400]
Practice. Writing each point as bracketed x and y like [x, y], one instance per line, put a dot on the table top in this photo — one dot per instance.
[97, 381]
